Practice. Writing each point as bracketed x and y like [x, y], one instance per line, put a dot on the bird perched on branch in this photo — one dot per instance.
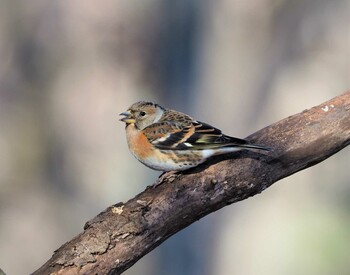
[168, 140]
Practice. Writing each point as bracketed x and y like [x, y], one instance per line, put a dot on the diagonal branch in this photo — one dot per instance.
[118, 237]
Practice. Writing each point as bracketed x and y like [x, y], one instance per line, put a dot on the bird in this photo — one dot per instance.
[168, 140]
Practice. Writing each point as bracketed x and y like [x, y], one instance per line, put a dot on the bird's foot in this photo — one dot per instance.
[165, 177]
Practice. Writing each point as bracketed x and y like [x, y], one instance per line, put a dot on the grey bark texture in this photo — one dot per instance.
[119, 236]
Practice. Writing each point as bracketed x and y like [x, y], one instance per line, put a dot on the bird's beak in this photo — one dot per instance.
[128, 117]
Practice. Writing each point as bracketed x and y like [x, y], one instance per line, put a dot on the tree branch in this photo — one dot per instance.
[118, 237]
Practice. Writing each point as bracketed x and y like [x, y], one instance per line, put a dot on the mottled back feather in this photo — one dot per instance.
[178, 131]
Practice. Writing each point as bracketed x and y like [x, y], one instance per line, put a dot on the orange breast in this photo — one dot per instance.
[138, 142]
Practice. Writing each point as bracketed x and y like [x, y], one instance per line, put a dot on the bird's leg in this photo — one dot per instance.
[165, 177]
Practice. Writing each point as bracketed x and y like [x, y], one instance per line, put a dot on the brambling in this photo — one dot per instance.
[168, 140]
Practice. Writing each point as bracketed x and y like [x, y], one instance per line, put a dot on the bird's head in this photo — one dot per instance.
[142, 114]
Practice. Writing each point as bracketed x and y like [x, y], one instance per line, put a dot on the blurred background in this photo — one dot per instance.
[69, 67]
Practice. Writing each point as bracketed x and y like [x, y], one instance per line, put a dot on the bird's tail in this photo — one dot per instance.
[255, 146]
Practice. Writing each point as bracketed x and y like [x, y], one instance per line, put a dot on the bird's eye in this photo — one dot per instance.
[142, 113]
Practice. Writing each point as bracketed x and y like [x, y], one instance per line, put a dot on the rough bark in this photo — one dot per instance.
[118, 237]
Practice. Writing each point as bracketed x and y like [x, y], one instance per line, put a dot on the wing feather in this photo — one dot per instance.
[177, 131]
